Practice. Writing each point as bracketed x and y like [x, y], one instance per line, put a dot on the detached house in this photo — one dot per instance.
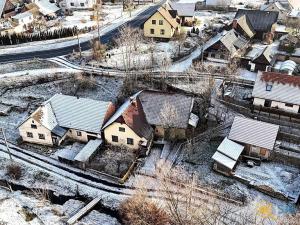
[276, 7]
[257, 137]
[163, 24]
[258, 57]
[277, 90]
[128, 126]
[64, 116]
[247, 137]
[169, 114]
[7, 8]
[256, 24]
[225, 46]
[185, 11]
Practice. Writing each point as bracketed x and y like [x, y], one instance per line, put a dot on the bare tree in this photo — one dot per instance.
[98, 50]
[180, 39]
[97, 15]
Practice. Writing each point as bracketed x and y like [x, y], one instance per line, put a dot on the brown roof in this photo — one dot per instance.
[165, 13]
[280, 78]
[134, 117]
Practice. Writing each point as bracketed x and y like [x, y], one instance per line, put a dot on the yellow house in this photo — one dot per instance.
[161, 24]
[128, 126]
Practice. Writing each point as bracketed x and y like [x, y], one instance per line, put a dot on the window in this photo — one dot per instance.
[72, 3]
[222, 56]
[29, 134]
[268, 103]
[121, 129]
[151, 31]
[212, 55]
[153, 21]
[42, 136]
[162, 31]
[82, 4]
[269, 87]
[33, 126]
[114, 138]
[79, 133]
[289, 105]
[129, 141]
[161, 22]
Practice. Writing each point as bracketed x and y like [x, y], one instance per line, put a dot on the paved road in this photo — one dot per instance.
[136, 22]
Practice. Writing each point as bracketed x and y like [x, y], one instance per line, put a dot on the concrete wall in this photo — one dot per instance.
[169, 30]
[26, 127]
[113, 129]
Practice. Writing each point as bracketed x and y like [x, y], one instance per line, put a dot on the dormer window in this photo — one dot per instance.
[269, 87]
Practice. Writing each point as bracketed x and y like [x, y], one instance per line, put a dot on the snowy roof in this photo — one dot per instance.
[288, 65]
[78, 113]
[218, 2]
[230, 39]
[183, 9]
[168, 17]
[224, 160]
[294, 13]
[88, 150]
[2, 5]
[22, 15]
[285, 88]
[45, 116]
[231, 149]
[253, 132]
[45, 7]
[194, 119]
[260, 50]
[277, 4]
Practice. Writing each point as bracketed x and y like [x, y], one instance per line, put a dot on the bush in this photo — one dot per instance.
[14, 171]
[137, 210]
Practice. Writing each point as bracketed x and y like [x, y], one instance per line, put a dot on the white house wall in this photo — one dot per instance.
[279, 105]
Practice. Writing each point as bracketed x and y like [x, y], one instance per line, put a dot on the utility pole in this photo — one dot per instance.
[6, 143]
[79, 48]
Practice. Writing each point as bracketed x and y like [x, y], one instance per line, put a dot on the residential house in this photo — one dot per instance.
[7, 8]
[227, 156]
[71, 5]
[46, 8]
[163, 24]
[23, 20]
[289, 4]
[258, 58]
[62, 116]
[128, 126]
[276, 7]
[170, 114]
[277, 90]
[261, 23]
[185, 11]
[257, 137]
[225, 46]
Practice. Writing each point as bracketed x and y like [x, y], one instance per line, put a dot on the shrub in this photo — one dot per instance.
[137, 210]
[14, 171]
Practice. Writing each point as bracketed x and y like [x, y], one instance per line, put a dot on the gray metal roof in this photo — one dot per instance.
[253, 132]
[88, 150]
[224, 160]
[260, 20]
[79, 113]
[154, 102]
[281, 92]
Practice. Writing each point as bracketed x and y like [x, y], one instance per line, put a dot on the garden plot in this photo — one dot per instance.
[198, 161]
[282, 179]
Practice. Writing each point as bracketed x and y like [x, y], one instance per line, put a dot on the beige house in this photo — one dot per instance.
[128, 126]
[64, 116]
[162, 24]
[277, 90]
[258, 138]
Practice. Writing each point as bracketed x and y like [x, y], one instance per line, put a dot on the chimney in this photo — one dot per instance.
[234, 24]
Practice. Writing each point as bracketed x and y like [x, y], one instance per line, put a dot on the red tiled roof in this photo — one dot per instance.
[280, 78]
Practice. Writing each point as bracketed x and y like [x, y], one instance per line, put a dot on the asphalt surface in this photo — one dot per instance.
[136, 23]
